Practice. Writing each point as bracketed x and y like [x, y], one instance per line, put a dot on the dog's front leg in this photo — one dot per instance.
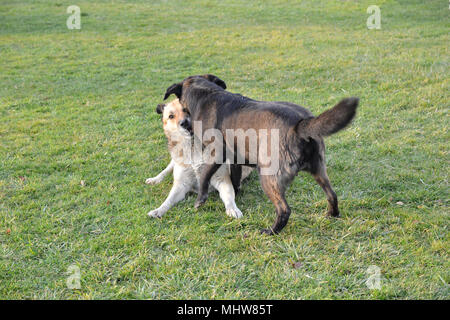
[184, 181]
[177, 194]
[222, 182]
[205, 176]
[236, 176]
[162, 174]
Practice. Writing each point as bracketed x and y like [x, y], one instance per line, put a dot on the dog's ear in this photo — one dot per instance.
[174, 89]
[160, 108]
[216, 80]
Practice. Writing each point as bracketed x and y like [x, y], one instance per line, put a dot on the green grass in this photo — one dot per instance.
[79, 105]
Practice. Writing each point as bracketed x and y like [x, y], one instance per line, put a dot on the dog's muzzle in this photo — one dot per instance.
[186, 124]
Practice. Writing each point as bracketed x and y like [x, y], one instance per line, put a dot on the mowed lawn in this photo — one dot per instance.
[79, 135]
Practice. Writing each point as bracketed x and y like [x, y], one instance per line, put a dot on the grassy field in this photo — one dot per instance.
[78, 105]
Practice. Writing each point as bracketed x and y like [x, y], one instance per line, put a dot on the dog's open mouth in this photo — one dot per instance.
[186, 126]
[187, 130]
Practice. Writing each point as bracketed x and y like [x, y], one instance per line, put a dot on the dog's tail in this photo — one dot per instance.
[332, 120]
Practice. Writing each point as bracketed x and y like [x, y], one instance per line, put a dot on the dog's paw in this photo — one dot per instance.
[200, 201]
[333, 214]
[267, 231]
[155, 214]
[234, 213]
[154, 180]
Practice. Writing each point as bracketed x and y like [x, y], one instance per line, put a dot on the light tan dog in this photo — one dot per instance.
[186, 170]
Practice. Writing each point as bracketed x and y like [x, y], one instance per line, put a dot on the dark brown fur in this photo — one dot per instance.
[301, 136]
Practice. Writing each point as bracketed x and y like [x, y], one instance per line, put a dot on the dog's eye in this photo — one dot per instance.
[185, 110]
[171, 116]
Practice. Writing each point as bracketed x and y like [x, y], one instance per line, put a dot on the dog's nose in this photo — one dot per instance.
[185, 123]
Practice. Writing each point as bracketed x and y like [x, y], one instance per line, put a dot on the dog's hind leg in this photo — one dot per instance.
[205, 176]
[162, 174]
[275, 192]
[322, 179]
[222, 182]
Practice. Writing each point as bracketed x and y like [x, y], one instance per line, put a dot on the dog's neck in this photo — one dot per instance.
[179, 144]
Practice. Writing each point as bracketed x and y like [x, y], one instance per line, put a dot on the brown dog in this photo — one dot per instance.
[300, 145]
